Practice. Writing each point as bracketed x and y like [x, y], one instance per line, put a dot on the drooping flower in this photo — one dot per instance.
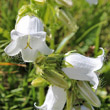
[55, 99]
[28, 38]
[92, 2]
[84, 68]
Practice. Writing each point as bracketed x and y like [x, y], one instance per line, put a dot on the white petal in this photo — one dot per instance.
[92, 1]
[39, 35]
[78, 74]
[86, 108]
[55, 99]
[39, 44]
[15, 35]
[29, 25]
[83, 107]
[84, 67]
[13, 48]
[29, 55]
[85, 63]
[44, 49]
[92, 77]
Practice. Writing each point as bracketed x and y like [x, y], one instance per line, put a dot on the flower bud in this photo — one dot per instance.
[56, 79]
[38, 82]
[38, 2]
[66, 19]
[88, 94]
[66, 3]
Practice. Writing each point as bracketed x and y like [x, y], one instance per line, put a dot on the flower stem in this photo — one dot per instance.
[69, 100]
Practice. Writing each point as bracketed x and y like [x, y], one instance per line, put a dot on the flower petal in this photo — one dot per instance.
[29, 55]
[92, 1]
[39, 44]
[92, 77]
[82, 107]
[29, 25]
[44, 49]
[55, 99]
[15, 35]
[13, 48]
[40, 35]
[85, 63]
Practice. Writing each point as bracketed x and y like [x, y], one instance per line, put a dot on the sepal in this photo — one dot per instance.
[56, 79]
[87, 93]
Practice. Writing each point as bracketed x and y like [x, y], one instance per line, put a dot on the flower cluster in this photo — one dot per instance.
[68, 74]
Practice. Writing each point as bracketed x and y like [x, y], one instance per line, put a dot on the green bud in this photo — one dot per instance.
[66, 3]
[38, 2]
[39, 70]
[66, 19]
[56, 79]
[39, 82]
[86, 91]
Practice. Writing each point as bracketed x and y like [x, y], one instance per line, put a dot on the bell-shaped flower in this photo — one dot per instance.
[55, 99]
[28, 38]
[92, 2]
[83, 67]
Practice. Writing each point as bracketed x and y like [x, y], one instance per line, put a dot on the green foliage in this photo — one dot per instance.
[16, 92]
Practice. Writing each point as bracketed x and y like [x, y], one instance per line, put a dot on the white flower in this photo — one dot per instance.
[84, 67]
[92, 1]
[28, 38]
[55, 99]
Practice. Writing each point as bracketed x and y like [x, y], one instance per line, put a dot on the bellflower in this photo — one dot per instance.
[92, 2]
[28, 38]
[84, 67]
[55, 99]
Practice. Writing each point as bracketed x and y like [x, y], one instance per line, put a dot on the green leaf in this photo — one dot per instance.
[64, 42]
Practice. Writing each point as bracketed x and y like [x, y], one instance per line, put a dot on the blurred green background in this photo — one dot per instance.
[16, 92]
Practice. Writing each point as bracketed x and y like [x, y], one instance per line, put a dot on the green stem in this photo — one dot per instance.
[69, 100]
[41, 95]
[97, 40]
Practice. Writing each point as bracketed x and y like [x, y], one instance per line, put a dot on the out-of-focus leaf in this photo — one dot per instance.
[64, 42]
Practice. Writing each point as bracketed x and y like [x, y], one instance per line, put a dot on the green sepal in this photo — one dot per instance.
[56, 79]
[87, 93]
